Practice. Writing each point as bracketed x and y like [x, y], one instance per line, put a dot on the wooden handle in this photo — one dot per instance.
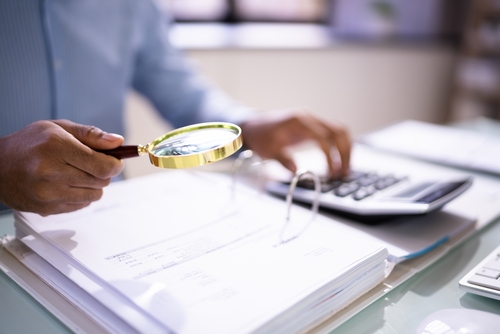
[122, 152]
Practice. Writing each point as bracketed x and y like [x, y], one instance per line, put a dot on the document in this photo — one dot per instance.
[440, 144]
[181, 255]
[77, 309]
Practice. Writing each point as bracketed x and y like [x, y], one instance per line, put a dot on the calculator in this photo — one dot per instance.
[373, 197]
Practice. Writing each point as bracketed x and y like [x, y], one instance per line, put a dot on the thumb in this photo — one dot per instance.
[91, 136]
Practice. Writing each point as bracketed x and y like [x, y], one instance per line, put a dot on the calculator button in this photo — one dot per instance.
[346, 189]
[325, 185]
[386, 182]
[306, 184]
[353, 175]
[368, 180]
[330, 184]
[363, 193]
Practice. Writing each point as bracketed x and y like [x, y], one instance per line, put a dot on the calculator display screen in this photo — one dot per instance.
[443, 190]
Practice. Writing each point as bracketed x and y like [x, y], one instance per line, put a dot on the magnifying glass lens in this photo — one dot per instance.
[192, 142]
[189, 146]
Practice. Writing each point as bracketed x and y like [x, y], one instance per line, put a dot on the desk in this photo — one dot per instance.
[19, 312]
[399, 312]
[435, 288]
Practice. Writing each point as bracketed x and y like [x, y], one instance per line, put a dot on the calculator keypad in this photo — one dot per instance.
[357, 185]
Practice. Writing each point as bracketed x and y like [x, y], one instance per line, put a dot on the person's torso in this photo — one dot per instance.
[66, 59]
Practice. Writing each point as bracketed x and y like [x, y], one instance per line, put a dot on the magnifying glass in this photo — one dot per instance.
[189, 146]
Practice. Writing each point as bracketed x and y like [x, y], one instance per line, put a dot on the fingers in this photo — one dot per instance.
[331, 138]
[344, 147]
[269, 138]
[61, 208]
[338, 138]
[48, 167]
[55, 172]
[74, 199]
[79, 153]
[286, 161]
[63, 190]
[91, 136]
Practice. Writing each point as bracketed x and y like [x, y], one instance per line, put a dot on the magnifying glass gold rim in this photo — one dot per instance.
[198, 158]
[182, 160]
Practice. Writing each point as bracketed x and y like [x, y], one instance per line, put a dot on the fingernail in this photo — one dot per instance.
[111, 136]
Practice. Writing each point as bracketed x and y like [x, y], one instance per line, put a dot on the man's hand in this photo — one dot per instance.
[269, 136]
[50, 167]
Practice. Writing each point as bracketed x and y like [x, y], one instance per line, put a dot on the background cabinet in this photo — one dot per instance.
[476, 89]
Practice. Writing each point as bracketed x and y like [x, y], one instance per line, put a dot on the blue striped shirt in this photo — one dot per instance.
[78, 59]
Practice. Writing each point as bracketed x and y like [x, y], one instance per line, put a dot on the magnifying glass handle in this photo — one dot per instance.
[123, 152]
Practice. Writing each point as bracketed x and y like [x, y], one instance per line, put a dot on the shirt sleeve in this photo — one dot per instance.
[170, 81]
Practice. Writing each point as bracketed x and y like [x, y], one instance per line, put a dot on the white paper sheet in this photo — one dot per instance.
[81, 312]
[442, 144]
[207, 265]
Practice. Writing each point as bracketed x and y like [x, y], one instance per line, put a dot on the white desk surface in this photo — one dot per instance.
[398, 312]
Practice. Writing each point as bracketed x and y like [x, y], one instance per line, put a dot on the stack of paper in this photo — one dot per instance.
[440, 144]
[176, 252]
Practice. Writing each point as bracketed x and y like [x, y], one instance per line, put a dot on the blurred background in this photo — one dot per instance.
[366, 63]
